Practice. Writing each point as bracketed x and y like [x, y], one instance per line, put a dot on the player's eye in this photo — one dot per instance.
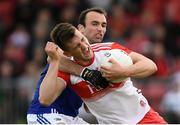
[95, 24]
[104, 25]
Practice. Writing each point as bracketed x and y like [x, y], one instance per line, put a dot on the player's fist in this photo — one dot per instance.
[94, 77]
[53, 51]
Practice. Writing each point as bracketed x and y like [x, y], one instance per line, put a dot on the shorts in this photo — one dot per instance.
[53, 118]
[152, 117]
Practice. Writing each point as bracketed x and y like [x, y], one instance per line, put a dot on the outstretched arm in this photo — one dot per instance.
[142, 67]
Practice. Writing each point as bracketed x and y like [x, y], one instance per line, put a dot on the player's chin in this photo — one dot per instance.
[87, 57]
[98, 40]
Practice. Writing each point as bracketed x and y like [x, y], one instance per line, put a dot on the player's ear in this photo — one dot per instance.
[66, 54]
[81, 28]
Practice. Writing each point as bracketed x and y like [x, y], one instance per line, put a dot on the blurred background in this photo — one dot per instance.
[150, 27]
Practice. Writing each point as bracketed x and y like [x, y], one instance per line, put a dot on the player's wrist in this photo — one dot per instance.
[54, 63]
[126, 72]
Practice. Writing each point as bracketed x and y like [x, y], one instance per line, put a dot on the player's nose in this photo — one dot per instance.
[100, 28]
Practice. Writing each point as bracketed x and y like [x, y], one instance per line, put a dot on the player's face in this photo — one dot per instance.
[95, 27]
[79, 48]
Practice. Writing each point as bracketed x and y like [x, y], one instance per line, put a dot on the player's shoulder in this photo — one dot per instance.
[97, 47]
[101, 46]
[106, 46]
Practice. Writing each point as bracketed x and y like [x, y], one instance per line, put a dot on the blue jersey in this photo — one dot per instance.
[68, 103]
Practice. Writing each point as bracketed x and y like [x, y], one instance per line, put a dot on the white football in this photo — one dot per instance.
[120, 56]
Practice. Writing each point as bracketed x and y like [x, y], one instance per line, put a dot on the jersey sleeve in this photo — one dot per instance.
[64, 76]
[118, 46]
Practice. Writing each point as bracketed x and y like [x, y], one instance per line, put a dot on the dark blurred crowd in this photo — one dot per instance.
[150, 27]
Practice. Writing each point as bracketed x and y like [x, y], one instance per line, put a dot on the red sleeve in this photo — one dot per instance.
[118, 46]
[64, 76]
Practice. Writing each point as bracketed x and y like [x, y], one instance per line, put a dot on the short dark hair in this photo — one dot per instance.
[83, 14]
[62, 33]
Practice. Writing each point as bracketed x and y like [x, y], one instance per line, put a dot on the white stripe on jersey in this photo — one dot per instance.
[101, 48]
[101, 45]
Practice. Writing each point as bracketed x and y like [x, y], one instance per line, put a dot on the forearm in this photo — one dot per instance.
[69, 66]
[48, 89]
[141, 69]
